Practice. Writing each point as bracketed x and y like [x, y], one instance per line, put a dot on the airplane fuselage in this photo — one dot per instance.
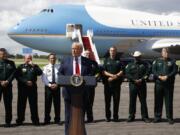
[128, 30]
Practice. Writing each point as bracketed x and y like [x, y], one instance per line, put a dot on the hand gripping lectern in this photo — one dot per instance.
[77, 85]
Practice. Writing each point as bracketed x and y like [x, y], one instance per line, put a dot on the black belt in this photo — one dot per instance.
[52, 82]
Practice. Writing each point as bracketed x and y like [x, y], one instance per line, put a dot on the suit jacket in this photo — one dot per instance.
[67, 69]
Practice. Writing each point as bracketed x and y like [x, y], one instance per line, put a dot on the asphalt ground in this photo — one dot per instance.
[100, 126]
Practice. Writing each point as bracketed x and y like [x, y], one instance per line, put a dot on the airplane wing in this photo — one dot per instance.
[172, 44]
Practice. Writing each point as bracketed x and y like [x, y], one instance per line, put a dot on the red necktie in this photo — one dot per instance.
[77, 67]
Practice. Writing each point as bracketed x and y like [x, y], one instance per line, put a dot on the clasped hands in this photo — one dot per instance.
[163, 77]
[54, 86]
[138, 82]
[4, 83]
[113, 77]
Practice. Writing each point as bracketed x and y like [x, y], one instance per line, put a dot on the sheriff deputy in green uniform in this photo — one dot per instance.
[164, 70]
[137, 73]
[7, 71]
[27, 89]
[113, 71]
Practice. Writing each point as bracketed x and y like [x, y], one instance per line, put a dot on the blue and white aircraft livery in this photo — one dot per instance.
[51, 30]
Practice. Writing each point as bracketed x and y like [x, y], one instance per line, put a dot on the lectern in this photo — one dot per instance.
[77, 85]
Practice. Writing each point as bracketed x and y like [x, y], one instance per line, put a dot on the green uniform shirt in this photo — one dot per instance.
[113, 66]
[7, 70]
[166, 68]
[26, 72]
[137, 70]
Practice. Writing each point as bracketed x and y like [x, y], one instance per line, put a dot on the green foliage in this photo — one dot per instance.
[19, 56]
[178, 63]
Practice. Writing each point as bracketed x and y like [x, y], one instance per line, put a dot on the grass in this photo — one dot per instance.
[34, 60]
[43, 62]
[39, 62]
[178, 63]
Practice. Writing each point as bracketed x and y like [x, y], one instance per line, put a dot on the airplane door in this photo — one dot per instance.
[71, 28]
[79, 27]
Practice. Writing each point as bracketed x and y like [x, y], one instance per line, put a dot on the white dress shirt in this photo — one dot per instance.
[47, 74]
[74, 65]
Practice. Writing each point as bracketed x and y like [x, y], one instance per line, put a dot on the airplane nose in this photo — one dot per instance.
[10, 32]
[13, 30]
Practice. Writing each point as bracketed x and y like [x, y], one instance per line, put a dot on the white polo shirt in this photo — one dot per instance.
[47, 74]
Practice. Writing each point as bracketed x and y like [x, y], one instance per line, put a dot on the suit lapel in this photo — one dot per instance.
[82, 66]
[71, 65]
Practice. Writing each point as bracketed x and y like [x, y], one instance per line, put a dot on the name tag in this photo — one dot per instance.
[24, 70]
[169, 64]
[9, 66]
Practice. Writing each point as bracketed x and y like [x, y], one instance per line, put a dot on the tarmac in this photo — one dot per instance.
[100, 126]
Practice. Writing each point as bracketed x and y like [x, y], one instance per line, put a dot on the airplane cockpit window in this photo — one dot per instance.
[48, 10]
[44, 10]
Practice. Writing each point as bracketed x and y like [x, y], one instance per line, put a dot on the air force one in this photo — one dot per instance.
[98, 28]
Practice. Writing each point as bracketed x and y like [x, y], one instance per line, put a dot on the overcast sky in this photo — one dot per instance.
[12, 12]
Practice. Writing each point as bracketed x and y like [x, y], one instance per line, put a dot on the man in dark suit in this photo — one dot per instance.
[76, 64]
[90, 91]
